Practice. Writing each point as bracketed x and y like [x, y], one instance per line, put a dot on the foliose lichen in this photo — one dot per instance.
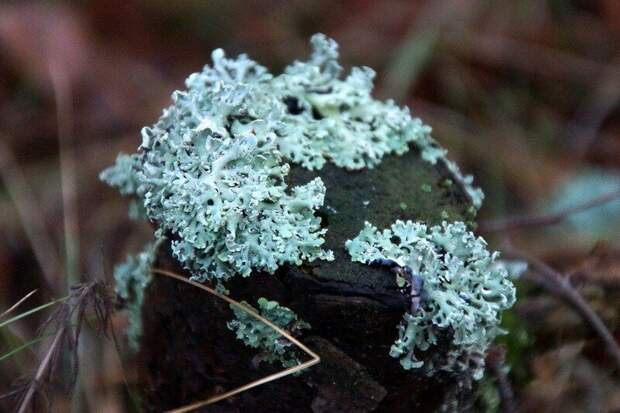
[256, 334]
[212, 172]
[131, 279]
[463, 295]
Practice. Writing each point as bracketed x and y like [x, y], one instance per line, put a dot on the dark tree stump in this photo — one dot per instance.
[188, 354]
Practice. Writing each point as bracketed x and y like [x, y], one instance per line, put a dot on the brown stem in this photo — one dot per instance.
[43, 367]
[17, 304]
[510, 224]
[559, 285]
[495, 361]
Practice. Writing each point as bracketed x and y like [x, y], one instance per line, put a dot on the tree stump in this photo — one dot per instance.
[187, 353]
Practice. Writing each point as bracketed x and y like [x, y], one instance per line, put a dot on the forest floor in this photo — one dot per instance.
[524, 94]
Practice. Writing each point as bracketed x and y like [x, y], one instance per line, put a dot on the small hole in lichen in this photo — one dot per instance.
[395, 239]
[292, 105]
[210, 202]
[324, 215]
[316, 114]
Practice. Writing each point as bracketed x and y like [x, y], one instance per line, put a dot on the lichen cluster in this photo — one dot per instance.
[212, 175]
[212, 171]
[464, 292]
[256, 334]
[131, 279]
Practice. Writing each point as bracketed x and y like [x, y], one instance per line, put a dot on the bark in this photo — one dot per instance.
[187, 353]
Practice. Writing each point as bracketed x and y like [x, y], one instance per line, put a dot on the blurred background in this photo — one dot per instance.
[524, 93]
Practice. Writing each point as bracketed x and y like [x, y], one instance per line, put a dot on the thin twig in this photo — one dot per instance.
[91, 295]
[495, 361]
[31, 216]
[314, 357]
[560, 285]
[500, 50]
[32, 311]
[603, 99]
[533, 221]
[17, 304]
[43, 367]
[68, 172]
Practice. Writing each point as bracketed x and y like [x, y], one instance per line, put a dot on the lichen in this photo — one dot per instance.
[131, 279]
[271, 345]
[212, 172]
[463, 295]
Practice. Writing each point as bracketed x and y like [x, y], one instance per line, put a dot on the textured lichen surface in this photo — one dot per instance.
[131, 279]
[250, 173]
[393, 190]
[256, 334]
[463, 293]
[211, 172]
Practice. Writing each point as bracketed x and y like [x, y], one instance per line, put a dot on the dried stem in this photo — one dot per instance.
[560, 285]
[314, 357]
[496, 49]
[31, 217]
[41, 371]
[495, 361]
[91, 295]
[17, 304]
[62, 94]
[510, 224]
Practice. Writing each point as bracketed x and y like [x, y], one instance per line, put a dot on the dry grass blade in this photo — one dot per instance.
[497, 49]
[31, 216]
[91, 295]
[32, 311]
[68, 171]
[314, 357]
[24, 346]
[42, 370]
[17, 304]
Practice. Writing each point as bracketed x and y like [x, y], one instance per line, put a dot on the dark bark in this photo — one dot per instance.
[187, 353]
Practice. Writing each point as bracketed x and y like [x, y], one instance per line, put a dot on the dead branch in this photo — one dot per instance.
[17, 304]
[534, 221]
[560, 286]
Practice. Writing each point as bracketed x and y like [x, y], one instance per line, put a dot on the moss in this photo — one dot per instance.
[397, 181]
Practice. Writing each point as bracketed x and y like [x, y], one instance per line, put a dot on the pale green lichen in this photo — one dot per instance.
[464, 292]
[131, 279]
[336, 119]
[212, 172]
[432, 152]
[212, 175]
[272, 346]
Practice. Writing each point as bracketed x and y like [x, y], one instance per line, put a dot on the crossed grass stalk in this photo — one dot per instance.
[314, 358]
[69, 318]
